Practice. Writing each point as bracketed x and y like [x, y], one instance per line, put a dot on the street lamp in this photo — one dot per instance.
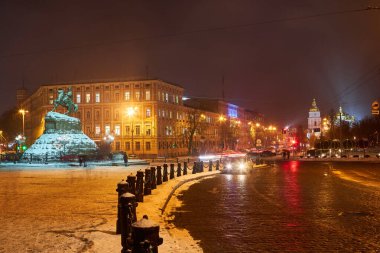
[131, 111]
[23, 112]
[222, 119]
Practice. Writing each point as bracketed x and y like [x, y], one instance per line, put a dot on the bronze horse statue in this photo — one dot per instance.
[65, 100]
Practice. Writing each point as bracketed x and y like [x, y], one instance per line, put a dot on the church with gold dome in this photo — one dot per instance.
[314, 121]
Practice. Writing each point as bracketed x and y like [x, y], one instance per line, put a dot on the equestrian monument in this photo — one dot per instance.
[63, 135]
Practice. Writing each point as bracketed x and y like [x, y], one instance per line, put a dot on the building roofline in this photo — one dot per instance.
[94, 81]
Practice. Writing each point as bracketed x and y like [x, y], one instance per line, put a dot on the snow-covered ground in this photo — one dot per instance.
[75, 210]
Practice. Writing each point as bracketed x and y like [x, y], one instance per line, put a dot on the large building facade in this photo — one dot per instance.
[144, 117]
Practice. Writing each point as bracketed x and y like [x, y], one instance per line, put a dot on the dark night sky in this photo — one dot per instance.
[276, 68]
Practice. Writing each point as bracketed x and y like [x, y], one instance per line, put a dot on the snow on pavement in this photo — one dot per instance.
[75, 210]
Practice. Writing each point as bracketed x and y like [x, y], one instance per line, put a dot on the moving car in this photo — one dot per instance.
[237, 165]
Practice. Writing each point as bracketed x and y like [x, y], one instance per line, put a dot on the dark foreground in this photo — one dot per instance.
[291, 207]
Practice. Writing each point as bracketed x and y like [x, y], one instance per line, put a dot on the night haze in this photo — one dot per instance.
[275, 56]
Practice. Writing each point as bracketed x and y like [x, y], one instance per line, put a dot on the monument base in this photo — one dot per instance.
[62, 136]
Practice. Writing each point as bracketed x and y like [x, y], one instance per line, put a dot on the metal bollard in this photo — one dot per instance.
[145, 236]
[195, 167]
[153, 180]
[147, 183]
[140, 187]
[165, 173]
[159, 175]
[184, 168]
[122, 187]
[132, 184]
[210, 165]
[179, 169]
[127, 218]
[171, 170]
[217, 165]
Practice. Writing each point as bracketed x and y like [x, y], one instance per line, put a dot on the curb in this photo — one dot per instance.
[179, 185]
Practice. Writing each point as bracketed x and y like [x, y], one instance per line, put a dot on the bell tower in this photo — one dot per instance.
[314, 120]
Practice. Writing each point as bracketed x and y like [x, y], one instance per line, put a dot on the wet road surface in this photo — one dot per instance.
[290, 207]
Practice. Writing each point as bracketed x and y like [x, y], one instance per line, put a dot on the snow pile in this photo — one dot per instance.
[62, 136]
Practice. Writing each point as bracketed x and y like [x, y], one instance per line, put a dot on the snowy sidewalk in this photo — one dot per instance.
[175, 240]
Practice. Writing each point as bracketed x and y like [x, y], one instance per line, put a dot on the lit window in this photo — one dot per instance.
[117, 130]
[51, 99]
[166, 97]
[176, 99]
[97, 129]
[137, 130]
[78, 99]
[97, 97]
[148, 112]
[147, 95]
[107, 129]
[88, 97]
[127, 96]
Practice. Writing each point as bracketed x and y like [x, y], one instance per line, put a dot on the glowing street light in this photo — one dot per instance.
[23, 112]
[131, 111]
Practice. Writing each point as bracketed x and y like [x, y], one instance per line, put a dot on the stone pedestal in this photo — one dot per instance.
[62, 136]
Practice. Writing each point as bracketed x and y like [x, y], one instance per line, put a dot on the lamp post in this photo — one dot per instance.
[23, 112]
[222, 119]
[131, 111]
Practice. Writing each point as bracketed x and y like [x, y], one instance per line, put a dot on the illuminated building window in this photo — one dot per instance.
[176, 100]
[127, 96]
[147, 95]
[148, 112]
[137, 130]
[88, 97]
[78, 99]
[147, 145]
[170, 114]
[137, 95]
[97, 97]
[166, 97]
[107, 129]
[163, 96]
[232, 111]
[173, 99]
[97, 129]
[117, 129]
[159, 113]
[127, 146]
